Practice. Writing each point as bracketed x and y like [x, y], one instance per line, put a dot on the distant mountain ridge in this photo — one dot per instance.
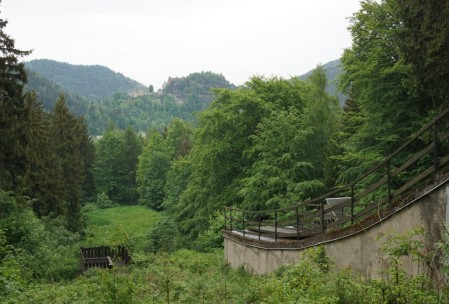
[48, 93]
[94, 82]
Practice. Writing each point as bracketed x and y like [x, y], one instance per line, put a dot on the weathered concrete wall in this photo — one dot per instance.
[359, 251]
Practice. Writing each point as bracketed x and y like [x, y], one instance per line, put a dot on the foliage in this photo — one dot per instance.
[163, 237]
[157, 176]
[212, 238]
[179, 138]
[118, 99]
[42, 156]
[12, 79]
[48, 93]
[375, 78]
[153, 166]
[133, 148]
[103, 201]
[289, 150]
[424, 43]
[111, 169]
[73, 151]
[396, 285]
[194, 92]
[43, 175]
[332, 69]
[176, 182]
[32, 248]
[218, 155]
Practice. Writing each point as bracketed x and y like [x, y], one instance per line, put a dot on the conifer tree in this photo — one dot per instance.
[42, 179]
[424, 43]
[71, 140]
[12, 79]
[133, 148]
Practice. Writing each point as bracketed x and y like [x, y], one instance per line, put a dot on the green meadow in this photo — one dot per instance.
[123, 225]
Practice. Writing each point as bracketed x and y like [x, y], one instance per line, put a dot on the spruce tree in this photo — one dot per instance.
[72, 145]
[42, 179]
[12, 79]
[133, 148]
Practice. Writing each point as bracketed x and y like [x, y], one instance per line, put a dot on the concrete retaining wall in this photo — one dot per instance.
[359, 251]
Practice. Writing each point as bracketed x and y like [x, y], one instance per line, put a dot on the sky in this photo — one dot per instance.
[152, 40]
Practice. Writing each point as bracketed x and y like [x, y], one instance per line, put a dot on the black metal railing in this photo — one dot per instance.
[382, 187]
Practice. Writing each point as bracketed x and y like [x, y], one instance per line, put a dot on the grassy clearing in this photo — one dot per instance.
[127, 225]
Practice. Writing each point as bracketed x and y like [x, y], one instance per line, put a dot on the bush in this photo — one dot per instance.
[212, 238]
[103, 201]
[163, 237]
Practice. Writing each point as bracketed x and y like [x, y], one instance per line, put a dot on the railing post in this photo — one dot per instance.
[243, 223]
[230, 219]
[435, 147]
[323, 228]
[389, 182]
[352, 204]
[297, 223]
[275, 226]
[224, 217]
[260, 219]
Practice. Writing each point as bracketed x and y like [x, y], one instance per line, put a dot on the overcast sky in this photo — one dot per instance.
[150, 40]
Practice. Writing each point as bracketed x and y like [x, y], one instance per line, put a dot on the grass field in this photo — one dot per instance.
[123, 225]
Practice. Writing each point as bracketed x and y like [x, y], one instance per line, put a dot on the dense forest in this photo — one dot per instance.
[266, 144]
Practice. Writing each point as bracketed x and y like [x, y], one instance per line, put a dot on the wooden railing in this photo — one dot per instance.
[104, 257]
[382, 187]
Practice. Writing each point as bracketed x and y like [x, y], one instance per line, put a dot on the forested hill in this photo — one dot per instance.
[180, 97]
[94, 82]
[48, 93]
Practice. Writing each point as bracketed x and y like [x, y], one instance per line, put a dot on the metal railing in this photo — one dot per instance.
[380, 188]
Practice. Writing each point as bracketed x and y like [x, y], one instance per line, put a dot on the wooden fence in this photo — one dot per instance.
[104, 257]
